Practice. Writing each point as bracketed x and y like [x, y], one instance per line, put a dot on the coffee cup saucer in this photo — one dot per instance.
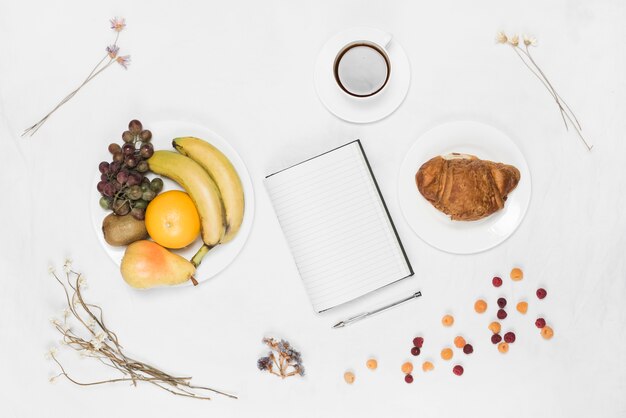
[362, 109]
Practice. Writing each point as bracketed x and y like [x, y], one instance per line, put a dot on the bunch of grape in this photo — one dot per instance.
[124, 187]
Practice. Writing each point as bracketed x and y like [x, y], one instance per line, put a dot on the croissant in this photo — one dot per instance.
[465, 187]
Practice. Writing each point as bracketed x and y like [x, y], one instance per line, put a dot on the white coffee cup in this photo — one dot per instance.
[362, 68]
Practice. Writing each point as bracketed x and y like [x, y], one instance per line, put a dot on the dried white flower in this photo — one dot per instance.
[55, 322]
[51, 270]
[66, 313]
[501, 38]
[91, 324]
[82, 282]
[514, 40]
[530, 40]
[67, 265]
[51, 353]
[53, 379]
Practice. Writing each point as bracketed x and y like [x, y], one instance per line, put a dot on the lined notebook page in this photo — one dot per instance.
[337, 226]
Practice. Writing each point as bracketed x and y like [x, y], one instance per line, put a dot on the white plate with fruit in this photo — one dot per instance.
[183, 213]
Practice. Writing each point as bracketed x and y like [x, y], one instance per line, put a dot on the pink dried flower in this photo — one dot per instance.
[118, 24]
[112, 50]
[124, 61]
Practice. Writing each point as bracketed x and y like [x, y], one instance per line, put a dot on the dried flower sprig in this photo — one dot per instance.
[112, 51]
[83, 329]
[523, 51]
[282, 360]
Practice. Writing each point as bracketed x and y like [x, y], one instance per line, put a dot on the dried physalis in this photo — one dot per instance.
[282, 360]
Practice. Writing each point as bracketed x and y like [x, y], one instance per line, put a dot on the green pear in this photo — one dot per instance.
[146, 264]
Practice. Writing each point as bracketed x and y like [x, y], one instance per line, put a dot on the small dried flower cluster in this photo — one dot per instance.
[118, 24]
[282, 360]
[524, 54]
[93, 339]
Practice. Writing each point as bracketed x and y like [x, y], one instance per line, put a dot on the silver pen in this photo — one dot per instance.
[375, 311]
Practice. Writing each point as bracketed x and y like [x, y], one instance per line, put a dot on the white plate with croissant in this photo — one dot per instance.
[464, 187]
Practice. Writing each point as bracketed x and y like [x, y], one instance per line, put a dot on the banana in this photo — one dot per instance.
[200, 187]
[223, 173]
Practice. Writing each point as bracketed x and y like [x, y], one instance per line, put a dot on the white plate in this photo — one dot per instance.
[219, 257]
[436, 228]
[362, 109]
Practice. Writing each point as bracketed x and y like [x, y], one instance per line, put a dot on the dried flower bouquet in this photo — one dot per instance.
[83, 329]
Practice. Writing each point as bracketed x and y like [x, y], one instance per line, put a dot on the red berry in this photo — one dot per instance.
[415, 351]
[468, 349]
[501, 314]
[418, 342]
[541, 293]
[408, 378]
[509, 337]
[501, 302]
[496, 338]
[496, 281]
[540, 323]
[457, 370]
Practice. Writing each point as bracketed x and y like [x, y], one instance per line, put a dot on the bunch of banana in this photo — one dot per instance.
[213, 184]
[223, 174]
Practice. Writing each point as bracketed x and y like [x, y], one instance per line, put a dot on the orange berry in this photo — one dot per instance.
[480, 306]
[372, 364]
[522, 307]
[459, 342]
[517, 274]
[427, 366]
[447, 320]
[446, 353]
[495, 327]
[503, 347]
[547, 332]
[407, 367]
[349, 377]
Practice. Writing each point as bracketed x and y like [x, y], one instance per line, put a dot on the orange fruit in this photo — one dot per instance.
[522, 307]
[407, 367]
[495, 327]
[372, 364]
[517, 274]
[459, 342]
[172, 219]
[547, 332]
[447, 320]
[480, 306]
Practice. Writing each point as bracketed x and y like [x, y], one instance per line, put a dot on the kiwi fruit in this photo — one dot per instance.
[123, 230]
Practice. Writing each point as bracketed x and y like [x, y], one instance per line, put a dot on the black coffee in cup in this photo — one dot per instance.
[362, 69]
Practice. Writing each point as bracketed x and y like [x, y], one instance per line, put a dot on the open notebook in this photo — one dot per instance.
[337, 226]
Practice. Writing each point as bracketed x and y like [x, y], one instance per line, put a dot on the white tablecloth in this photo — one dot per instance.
[245, 70]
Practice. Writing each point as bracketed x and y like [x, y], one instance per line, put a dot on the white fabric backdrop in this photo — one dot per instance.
[244, 69]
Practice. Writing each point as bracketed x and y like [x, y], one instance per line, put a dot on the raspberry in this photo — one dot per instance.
[509, 337]
[496, 281]
[540, 323]
[496, 338]
[541, 293]
[501, 302]
[468, 349]
[418, 342]
[457, 370]
[415, 351]
[501, 314]
[408, 378]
